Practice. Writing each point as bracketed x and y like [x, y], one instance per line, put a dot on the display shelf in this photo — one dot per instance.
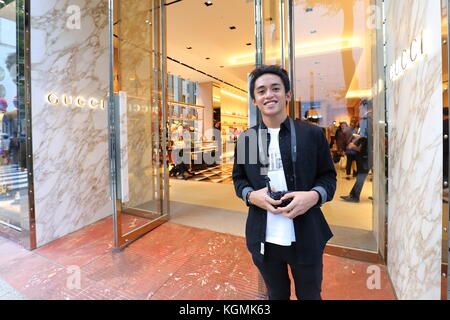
[233, 116]
[188, 116]
[184, 119]
[234, 124]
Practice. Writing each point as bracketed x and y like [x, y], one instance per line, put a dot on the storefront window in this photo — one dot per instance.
[14, 220]
[333, 89]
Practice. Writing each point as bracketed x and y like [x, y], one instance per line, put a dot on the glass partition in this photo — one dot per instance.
[334, 54]
[14, 207]
[137, 115]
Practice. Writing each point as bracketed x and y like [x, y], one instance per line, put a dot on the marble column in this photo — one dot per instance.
[414, 103]
[69, 80]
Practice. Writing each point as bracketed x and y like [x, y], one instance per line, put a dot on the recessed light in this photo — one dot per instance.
[189, 48]
[207, 58]
[248, 44]
[232, 27]
[221, 67]
[208, 3]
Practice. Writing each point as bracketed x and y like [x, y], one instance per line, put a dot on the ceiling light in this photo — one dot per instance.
[313, 48]
[207, 58]
[232, 28]
[208, 3]
[359, 94]
[248, 44]
[233, 95]
[189, 48]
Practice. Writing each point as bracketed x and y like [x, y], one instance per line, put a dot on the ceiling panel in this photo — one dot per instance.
[206, 29]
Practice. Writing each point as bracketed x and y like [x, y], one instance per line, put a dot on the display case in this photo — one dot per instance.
[233, 125]
[183, 116]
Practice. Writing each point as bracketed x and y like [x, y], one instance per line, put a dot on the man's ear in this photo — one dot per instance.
[253, 101]
[289, 95]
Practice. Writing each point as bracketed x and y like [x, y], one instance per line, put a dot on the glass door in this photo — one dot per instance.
[16, 200]
[332, 55]
[137, 116]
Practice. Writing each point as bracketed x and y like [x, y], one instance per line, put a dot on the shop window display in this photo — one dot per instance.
[13, 167]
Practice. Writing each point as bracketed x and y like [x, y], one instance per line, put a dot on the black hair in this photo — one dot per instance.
[272, 69]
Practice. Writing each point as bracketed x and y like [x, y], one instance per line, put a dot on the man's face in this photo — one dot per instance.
[270, 95]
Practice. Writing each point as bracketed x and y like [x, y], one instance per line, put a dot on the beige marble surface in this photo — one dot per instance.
[414, 102]
[69, 56]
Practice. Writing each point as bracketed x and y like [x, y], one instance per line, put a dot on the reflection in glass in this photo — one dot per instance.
[14, 219]
[272, 32]
[333, 90]
[140, 114]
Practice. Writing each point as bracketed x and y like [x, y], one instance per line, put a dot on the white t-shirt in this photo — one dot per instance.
[280, 229]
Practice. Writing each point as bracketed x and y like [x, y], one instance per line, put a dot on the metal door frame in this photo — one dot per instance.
[120, 240]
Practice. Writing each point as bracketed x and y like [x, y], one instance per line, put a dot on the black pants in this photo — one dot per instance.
[274, 270]
[350, 159]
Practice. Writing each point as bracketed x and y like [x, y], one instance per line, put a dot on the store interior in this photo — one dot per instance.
[210, 48]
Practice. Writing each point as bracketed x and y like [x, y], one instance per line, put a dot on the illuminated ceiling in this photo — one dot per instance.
[331, 36]
[206, 29]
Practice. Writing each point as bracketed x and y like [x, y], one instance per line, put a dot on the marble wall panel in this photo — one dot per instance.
[69, 56]
[414, 102]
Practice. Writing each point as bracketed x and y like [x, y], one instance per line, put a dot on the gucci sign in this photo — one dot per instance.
[77, 102]
[408, 58]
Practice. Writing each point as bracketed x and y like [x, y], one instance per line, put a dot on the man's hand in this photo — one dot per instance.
[301, 202]
[261, 199]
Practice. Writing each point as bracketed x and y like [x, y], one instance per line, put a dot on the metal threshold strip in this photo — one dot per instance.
[11, 226]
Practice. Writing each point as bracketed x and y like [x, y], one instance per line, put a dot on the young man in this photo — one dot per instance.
[296, 234]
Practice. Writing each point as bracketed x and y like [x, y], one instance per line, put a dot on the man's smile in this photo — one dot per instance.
[270, 103]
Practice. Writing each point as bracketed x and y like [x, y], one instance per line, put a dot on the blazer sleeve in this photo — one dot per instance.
[326, 172]
[240, 180]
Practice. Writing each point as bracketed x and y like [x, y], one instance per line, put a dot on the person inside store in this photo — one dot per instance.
[180, 169]
[343, 135]
[361, 145]
[295, 156]
[14, 148]
[351, 133]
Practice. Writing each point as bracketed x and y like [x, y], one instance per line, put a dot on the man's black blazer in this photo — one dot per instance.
[314, 169]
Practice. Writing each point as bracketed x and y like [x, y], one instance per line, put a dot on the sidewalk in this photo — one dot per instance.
[171, 262]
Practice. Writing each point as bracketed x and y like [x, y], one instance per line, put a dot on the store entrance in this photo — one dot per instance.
[136, 117]
[207, 109]
[211, 50]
